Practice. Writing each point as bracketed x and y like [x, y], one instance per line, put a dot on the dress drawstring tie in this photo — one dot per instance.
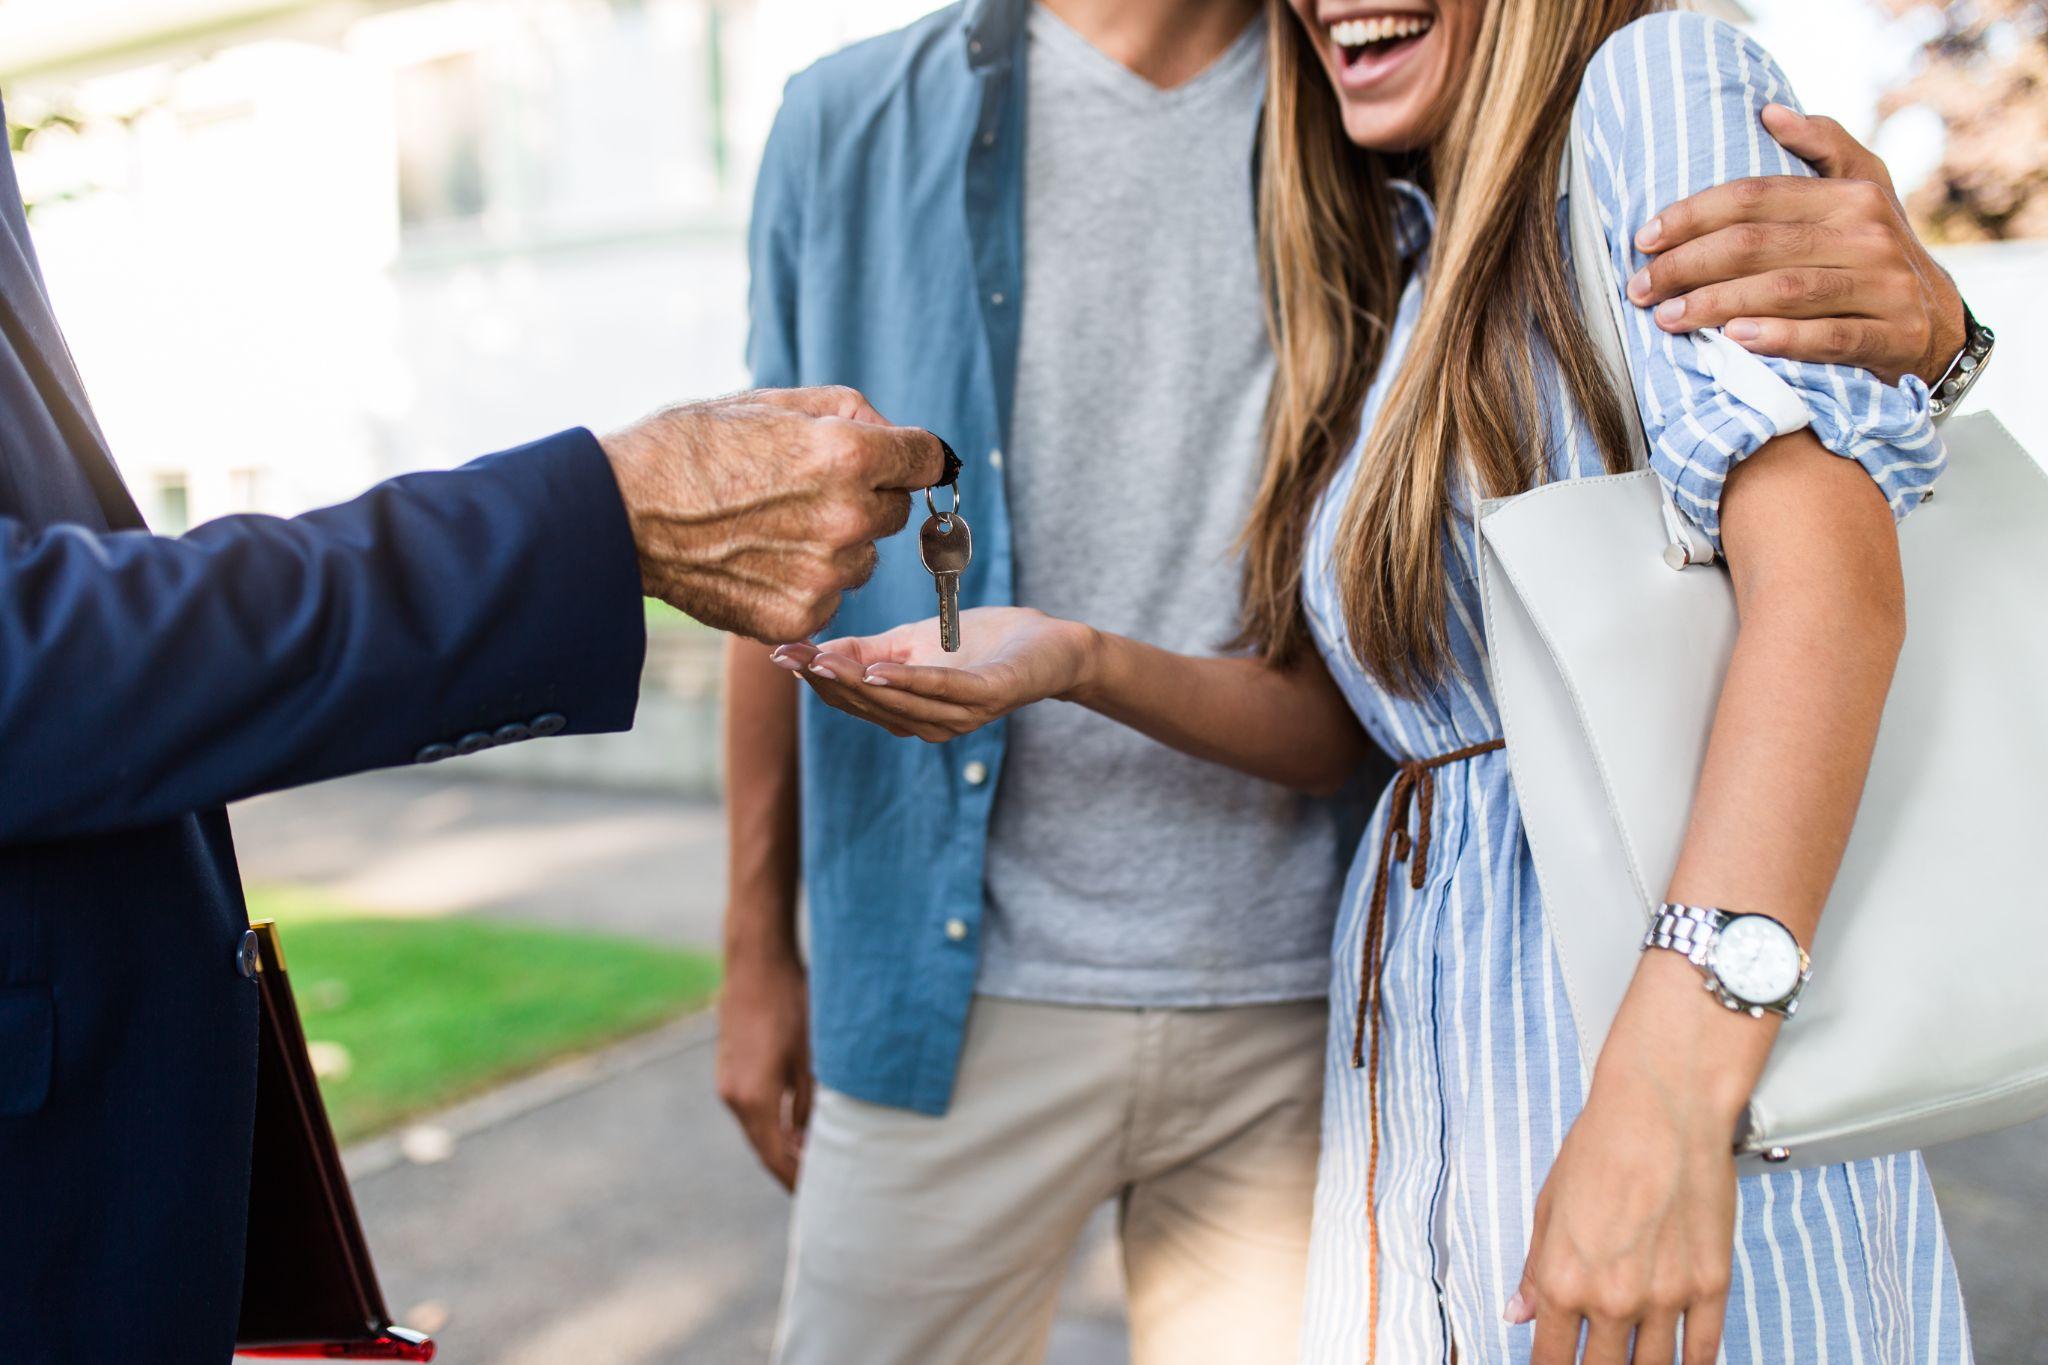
[1414, 784]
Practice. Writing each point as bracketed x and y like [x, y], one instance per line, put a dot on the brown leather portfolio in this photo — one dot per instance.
[309, 1290]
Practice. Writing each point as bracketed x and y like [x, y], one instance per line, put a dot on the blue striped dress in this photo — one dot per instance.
[1480, 1074]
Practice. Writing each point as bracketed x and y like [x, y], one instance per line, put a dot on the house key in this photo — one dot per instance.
[946, 545]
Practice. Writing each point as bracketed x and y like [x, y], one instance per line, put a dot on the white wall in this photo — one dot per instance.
[2007, 286]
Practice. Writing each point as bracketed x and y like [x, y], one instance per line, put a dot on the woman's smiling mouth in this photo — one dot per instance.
[1370, 45]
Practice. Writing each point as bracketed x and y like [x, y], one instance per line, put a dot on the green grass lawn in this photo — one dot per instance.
[662, 616]
[430, 1010]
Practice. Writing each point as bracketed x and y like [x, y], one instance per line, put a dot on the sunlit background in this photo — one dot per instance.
[300, 245]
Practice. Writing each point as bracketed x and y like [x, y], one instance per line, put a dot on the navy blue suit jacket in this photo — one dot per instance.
[145, 681]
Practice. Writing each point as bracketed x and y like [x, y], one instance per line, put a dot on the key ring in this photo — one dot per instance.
[945, 517]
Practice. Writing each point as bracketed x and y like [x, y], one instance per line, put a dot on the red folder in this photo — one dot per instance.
[309, 1290]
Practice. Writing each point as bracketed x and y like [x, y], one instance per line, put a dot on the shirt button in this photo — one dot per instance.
[995, 459]
[511, 734]
[976, 773]
[996, 299]
[434, 753]
[988, 139]
[956, 929]
[549, 723]
[248, 956]
[475, 742]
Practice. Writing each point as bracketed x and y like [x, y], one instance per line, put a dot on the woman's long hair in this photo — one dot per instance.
[1467, 389]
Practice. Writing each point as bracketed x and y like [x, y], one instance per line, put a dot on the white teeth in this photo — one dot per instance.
[1380, 28]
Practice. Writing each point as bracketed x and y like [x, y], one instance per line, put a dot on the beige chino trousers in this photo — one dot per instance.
[943, 1241]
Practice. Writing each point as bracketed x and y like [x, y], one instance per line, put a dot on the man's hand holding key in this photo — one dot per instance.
[754, 513]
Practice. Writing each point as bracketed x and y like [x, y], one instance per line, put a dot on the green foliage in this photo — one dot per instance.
[431, 1010]
[21, 135]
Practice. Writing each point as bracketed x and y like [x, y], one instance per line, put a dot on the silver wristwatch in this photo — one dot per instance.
[1964, 371]
[1751, 962]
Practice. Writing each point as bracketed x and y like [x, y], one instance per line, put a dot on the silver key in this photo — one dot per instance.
[947, 546]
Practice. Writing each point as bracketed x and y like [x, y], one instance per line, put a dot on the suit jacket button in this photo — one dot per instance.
[549, 723]
[511, 734]
[434, 753]
[475, 742]
[248, 956]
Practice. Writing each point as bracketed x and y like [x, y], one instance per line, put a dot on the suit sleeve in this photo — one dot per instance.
[142, 676]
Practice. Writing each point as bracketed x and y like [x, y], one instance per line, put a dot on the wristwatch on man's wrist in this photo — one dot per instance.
[1751, 962]
[1947, 391]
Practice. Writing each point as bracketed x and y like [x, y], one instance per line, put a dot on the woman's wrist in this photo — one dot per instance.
[1675, 1046]
[1092, 666]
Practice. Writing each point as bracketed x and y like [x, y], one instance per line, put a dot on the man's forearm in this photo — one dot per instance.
[761, 785]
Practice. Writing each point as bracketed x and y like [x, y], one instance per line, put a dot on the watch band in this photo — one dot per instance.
[1687, 930]
[1962, 372]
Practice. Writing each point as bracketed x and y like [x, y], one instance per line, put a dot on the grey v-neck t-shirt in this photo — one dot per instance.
[1119, 871]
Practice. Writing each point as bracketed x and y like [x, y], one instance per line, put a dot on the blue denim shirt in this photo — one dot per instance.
[886, 250]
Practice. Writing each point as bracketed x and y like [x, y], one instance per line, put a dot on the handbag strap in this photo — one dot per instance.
[1600, 307]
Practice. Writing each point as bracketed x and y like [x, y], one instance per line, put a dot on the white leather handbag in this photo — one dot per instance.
[1927, 1016]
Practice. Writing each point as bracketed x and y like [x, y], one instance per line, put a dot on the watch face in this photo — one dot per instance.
[1757, 959]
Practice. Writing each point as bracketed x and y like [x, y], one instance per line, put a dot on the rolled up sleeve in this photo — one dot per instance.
[1671, 105]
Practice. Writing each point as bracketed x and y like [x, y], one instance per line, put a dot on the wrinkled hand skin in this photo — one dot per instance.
[1825, 270]
[753, 513]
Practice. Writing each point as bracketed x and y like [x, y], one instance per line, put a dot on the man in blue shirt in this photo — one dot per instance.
[1051, 963]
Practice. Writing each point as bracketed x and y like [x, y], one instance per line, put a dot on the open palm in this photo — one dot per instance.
[904, 682]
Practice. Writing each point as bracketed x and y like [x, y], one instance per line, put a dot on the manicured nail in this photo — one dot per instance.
[1517, 1310]
[1742, 329]
[1639, 284]
[787, 661]
[1670, 311]
[1783, 111]
[1649, 234]
[873, 681]
[824, 672]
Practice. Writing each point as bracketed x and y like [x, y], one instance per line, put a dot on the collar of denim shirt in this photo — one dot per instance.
[993, 28]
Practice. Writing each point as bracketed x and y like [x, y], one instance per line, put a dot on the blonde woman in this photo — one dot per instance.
[1482, 1197]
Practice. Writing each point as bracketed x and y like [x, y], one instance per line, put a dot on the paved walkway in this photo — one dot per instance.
[607, 1213]
[410, 843]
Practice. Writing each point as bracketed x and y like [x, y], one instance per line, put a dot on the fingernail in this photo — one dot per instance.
[1783, 110]
[786, 661]
[1639, 284]
[1742, 329]
[872, 681]
[824, 672]
[1517, 1310]
[1670, 311]
[1648, 234]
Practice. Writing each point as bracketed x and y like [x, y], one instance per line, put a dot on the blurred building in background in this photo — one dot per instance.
[299, 245]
